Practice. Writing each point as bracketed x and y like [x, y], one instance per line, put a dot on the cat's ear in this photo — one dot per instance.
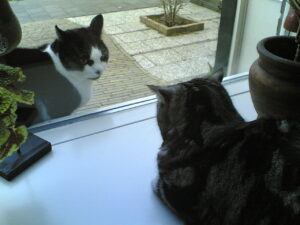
[59, 32]
[217, 75]
[96, 25]
[164, 94]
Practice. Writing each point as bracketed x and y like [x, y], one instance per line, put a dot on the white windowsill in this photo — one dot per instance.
[99, 171]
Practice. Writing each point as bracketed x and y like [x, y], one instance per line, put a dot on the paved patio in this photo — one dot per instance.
[37, 10]
[170, 59]
[140, 56]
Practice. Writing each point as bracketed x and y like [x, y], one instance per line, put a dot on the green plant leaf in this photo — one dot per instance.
[5, 100]
[16, 138]
[10, 75]
[11, 138]
[9, 120]
[21, 96]
[4, 135]
[295, 4]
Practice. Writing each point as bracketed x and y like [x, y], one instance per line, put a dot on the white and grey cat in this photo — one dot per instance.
[64, 70]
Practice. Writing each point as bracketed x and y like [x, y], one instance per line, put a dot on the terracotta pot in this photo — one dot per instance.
[10, 29]
[291, 22]
[274, 79]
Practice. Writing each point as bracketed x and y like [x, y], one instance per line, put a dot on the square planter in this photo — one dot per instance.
[187, 26]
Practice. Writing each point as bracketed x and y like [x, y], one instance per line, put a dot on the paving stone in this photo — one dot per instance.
[26, 19]
[143, 61]
[195, 9]
[167, 72]
[135, 48]
[113, 30]
[132, 36]
[200, 36]
[160, 43]
[153, 10]
[197, 50]
[134, 26]
[164, 57]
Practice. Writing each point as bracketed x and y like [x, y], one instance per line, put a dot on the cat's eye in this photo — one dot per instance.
[90, 62]
[104, 58]
[84, 61]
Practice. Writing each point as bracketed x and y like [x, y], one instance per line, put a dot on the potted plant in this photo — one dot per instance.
[274, 78]
[18, 148]
[170, 23]
[10, 29]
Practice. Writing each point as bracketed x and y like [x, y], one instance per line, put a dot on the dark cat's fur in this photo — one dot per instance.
[217, 169]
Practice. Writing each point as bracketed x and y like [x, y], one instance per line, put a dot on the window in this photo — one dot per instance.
[69, 82]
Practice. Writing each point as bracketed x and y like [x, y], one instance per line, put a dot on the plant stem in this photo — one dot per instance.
[174, 12]
[170, 15]
[165, 12]
[297, 39]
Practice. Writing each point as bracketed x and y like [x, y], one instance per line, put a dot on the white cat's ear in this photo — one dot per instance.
[217, 75]
[96, 25]
[164, 94]
[59, 32]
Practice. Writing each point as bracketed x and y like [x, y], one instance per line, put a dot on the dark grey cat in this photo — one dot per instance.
[61, 73]
[217, 169]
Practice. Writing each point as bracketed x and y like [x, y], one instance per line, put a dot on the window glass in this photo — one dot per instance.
[73, 71]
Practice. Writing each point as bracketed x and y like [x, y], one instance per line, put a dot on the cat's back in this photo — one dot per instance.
[253, 175]
[57, 94]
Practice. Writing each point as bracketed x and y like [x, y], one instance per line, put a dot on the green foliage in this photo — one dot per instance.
[295, 4]
[171, 9]
[11, 137]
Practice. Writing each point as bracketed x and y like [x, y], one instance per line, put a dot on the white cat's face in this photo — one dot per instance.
[94, 66]
[81, 52]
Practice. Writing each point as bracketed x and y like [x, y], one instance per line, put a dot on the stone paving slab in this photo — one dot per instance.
[167, 58]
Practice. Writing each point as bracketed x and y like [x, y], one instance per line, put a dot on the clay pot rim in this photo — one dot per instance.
[271, 56]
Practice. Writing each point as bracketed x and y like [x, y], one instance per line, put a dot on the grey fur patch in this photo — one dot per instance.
[274, 176]
[225, 180]
[273, 183]
[181, 177]
[265, 221]
[161, 193]
[291, 200]
[283, 126]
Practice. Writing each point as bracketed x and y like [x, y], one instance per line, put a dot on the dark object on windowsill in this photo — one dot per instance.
[274, 79]
[31, 151]
[26, 115]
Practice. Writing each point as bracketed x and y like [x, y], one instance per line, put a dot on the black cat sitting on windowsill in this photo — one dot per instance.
[217, 169]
